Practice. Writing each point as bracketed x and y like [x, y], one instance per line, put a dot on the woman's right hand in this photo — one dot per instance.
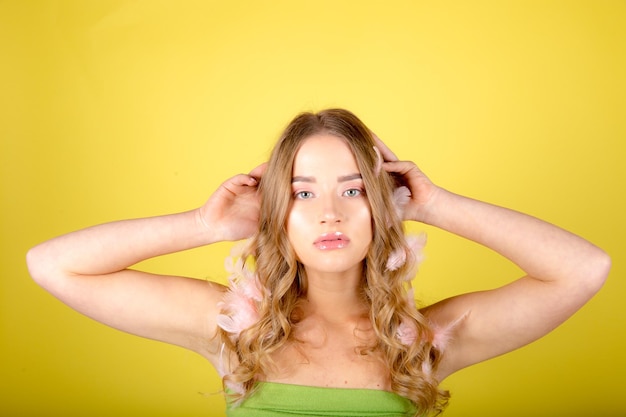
[232, 212]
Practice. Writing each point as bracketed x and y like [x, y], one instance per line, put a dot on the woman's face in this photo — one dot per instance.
[329, 223]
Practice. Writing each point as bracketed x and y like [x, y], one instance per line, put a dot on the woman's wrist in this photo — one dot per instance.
[430, 212]
[209, 233]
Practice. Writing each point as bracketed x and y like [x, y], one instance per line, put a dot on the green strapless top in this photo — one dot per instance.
[275, 399]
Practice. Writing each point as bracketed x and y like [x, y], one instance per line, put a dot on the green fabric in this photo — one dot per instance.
[274, 399]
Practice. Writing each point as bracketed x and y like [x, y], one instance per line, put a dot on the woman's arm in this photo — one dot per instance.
[89, 269]
[563, 271]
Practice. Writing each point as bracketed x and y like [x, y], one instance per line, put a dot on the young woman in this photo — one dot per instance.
[319, 317]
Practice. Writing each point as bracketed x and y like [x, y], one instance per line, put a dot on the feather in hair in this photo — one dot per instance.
[398, 257]
[239, 307]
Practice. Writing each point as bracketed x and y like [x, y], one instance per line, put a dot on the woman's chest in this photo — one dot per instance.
[331, 359]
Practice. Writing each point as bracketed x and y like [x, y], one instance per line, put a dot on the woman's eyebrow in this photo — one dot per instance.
[300, 178]
[343, 178]
[350, 177]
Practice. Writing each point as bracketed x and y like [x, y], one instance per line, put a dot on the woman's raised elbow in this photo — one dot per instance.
[38, 265]
[599, 266]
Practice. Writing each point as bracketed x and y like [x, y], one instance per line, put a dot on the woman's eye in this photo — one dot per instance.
[353, 192]
[303, 195]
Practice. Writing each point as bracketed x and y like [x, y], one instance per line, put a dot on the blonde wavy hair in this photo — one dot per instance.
[284, 281]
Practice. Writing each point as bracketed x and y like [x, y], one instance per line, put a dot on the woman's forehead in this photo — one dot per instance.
[323, 153]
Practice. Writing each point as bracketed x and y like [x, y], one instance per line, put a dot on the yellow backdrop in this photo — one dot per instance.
[119, 109]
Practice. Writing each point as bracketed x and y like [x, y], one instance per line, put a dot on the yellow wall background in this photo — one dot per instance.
[117, 109]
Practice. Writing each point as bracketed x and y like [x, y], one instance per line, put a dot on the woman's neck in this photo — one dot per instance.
[336, 296]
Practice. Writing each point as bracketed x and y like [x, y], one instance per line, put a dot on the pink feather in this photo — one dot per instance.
[235, 387]
[398, 257]
[240, 305]
[401, 197]
[406, 333]
[242, 313]
[443, 335]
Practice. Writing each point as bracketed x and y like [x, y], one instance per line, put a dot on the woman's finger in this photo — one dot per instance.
[233, 184]
[258, 171]
[387, 154]
[399, 167]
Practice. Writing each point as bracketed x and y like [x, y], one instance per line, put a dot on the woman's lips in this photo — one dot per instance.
[334, 240]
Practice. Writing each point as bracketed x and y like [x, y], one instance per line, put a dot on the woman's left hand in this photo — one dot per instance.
[423, 191]
[232, 212]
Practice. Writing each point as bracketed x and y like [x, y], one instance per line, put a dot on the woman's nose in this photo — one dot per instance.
[330, 212]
